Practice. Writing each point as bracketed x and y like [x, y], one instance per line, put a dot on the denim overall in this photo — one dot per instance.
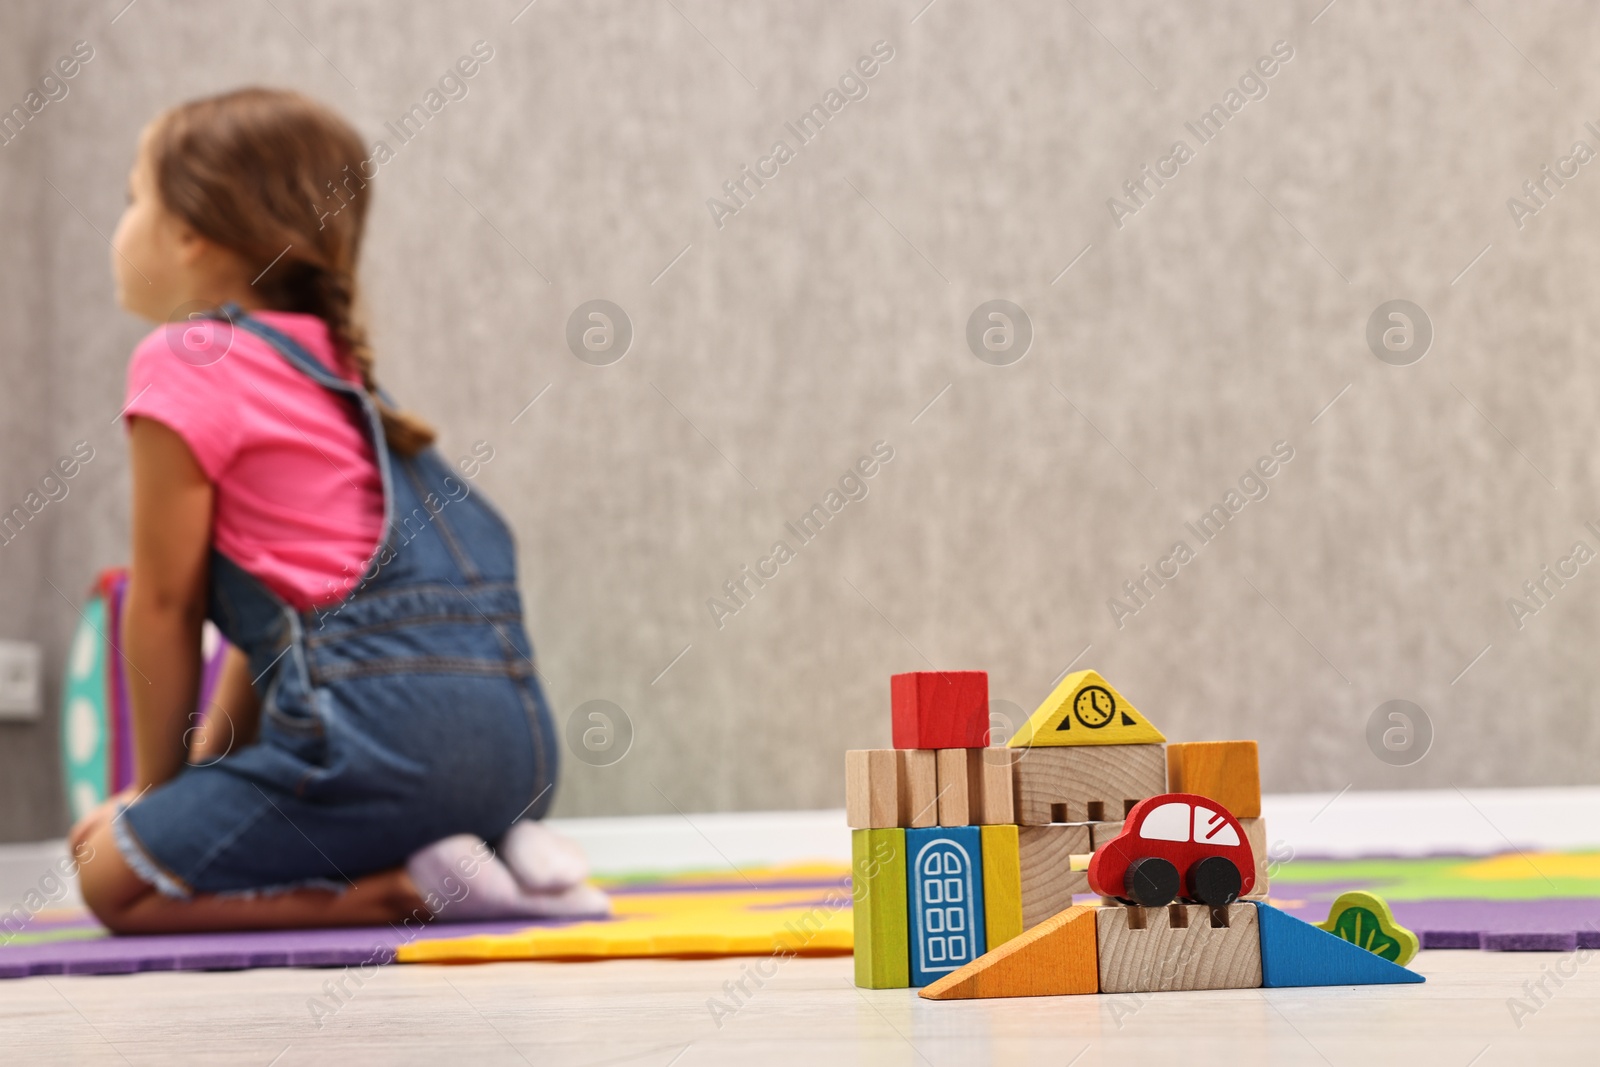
[406, 713]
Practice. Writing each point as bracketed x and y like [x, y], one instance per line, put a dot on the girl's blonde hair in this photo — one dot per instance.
[269, 173]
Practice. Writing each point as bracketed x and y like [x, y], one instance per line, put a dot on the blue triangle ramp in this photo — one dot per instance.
[1295, 953]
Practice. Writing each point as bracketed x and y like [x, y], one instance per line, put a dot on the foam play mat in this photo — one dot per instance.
[1515, 901]
[799, 910]
[803, 910]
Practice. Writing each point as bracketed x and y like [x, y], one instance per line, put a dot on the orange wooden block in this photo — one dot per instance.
[1057, 957]
[1228, 772]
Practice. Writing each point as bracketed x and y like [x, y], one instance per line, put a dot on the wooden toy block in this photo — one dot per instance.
[1255, 831]
[1295, 953]
[956, 774]
[1181, 946]
[878, 889]
[1364, 919]
[1002, 884]
[887, 787]
[1085, 784]
[1055, 958]
[944, 890]
[974, 786]
[1101, 832]
[1085, 710]
[1048, 880]
[871, 788]
[1228, 772]
[994, 796]
[940, 709]
[918, 784]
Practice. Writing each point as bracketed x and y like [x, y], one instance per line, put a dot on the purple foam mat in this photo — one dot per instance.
[354, 946]
[96, 952]
[1493, 925]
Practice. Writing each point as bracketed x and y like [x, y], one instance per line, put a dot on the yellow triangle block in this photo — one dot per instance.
[1057, 957]
[1085, 709]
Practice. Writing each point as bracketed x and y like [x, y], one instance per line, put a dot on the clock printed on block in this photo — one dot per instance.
[1094, 706]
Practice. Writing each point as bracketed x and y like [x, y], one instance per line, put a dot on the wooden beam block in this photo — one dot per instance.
[886, 787]
[1295, 953]
[1055, 958]
[940, 709]
[1228, 772]
[993, 798]
[956, 773]
[871, 788]
[1002, 884]
[878, 886]
[1096, 783]
[1255, 831]
[1048, 880]
[975, 786]
[1085, 709]
[1181, 946]
[918, 783]
[1101, 832]
[944, 891]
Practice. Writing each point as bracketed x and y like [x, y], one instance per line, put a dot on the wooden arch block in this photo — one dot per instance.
[1180, 946]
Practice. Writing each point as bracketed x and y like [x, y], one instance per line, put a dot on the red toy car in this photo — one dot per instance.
[1175, 844]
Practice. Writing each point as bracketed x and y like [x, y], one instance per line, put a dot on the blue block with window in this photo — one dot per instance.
[945, 897]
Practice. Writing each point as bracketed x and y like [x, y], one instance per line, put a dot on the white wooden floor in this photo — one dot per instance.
[656, 1013]
[661, 1012]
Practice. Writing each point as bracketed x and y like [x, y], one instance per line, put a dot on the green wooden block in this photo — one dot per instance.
[1364, 919]
[878, 885]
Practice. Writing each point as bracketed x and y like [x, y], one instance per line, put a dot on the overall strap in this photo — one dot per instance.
[302, 360]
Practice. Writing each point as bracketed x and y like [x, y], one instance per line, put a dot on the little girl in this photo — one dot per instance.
[379, 718]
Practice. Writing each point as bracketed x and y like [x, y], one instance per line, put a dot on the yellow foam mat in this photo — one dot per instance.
[803, 910]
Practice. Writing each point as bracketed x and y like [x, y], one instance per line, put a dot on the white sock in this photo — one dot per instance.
[542, 860]
[461, 880]
[574, 902]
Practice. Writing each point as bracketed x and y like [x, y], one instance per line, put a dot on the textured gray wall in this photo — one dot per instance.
[830, 313]
[29, 779]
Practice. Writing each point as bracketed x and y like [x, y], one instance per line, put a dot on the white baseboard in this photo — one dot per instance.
[1402, 823]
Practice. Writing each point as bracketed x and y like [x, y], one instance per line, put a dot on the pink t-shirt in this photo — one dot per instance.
[299, 501]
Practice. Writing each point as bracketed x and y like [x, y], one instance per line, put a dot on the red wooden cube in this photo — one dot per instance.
[940, 709]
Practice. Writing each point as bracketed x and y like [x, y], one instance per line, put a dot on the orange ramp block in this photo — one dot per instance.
[1057, 957]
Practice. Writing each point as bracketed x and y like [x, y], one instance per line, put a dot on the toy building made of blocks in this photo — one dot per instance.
[969, 856]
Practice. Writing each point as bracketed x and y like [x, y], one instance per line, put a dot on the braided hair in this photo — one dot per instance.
[283, 182]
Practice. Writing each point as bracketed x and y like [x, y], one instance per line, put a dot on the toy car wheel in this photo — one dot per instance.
[1214, 881]
[1151, 882]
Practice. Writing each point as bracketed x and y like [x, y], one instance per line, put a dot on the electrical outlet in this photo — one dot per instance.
[19, 680]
